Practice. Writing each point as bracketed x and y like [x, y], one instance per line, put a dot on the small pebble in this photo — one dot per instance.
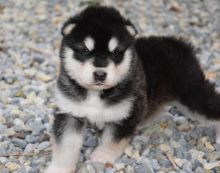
[19, 142]
[12, 166]
[43, 145]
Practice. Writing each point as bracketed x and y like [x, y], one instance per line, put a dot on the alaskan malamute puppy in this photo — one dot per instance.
[114, 81]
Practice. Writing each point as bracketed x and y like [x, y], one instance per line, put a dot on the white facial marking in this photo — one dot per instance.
[93, 108]
[68, 29]
[123, 68]
[113, 43]
[131, 30]
[119, 72]
[71, 64]
[81, 72]
[90, 43]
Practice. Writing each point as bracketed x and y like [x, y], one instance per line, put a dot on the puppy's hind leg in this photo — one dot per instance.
[68, 139]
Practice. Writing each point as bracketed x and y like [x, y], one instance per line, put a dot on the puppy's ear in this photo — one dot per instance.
[69, 25]
[131, 28]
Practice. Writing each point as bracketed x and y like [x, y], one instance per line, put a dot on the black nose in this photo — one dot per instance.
[99, 76]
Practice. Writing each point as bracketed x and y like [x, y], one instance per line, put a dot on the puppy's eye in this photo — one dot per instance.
[118, 52]
[83, 51]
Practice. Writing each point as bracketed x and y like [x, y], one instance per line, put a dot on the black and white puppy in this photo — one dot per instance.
[113, 81]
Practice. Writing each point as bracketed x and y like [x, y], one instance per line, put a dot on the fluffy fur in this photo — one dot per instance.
[110, 79]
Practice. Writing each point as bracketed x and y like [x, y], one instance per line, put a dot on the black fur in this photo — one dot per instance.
[171, 63]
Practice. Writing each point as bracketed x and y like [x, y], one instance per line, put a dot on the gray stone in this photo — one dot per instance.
[109, 170]
[178, 153]
[29, 148]
[3, 151]
[4, 170]
[147, 164]
[126, 160]
[43, 145]
[39, 59]
[2, 129]
[187, 156]
[187, 166]
[34, 170]
[217, 146]
[32, 139]
[90, 141]
[3, 160]
[164, 163]
[18, 128]
[199, 170]
[142, 139]
[19, 142]
[36, 126]
[155, 164]
[196, 164]
[21, 170]
[140, 169]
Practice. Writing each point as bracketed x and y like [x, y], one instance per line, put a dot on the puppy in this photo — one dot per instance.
[112, 80]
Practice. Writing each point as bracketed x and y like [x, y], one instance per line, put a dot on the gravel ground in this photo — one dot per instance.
[29, 43]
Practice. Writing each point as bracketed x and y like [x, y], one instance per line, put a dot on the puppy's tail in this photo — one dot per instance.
[202, 99]
[191, 88]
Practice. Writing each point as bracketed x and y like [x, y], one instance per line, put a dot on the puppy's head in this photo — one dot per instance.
[97, 48]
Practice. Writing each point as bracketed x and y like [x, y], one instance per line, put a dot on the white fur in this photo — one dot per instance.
[83, 72]
[112, 44]
[66, 154]
[94, 108]
[89, 43]
[108, 150]
[123, 68]
[68, 29]
[131, 30]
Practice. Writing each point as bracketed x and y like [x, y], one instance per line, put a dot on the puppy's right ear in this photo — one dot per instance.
[69, 25]
[131, 28]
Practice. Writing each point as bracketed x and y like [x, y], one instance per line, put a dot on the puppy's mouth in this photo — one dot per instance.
[100, 85]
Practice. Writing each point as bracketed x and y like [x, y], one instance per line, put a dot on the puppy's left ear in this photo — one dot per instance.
[69, 25]
[131, 28]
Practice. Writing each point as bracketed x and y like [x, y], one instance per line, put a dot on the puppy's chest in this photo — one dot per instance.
[94, 108]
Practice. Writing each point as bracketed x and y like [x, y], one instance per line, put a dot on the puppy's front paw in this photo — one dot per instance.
[104, 155]
[55, 169]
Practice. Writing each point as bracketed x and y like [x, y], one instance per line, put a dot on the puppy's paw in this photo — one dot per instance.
[104, 155]
[56, 169]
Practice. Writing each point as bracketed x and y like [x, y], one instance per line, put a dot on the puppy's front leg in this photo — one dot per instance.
[68, 139]
[110, 147]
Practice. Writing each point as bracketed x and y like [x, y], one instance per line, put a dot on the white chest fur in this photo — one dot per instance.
[93, 108]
